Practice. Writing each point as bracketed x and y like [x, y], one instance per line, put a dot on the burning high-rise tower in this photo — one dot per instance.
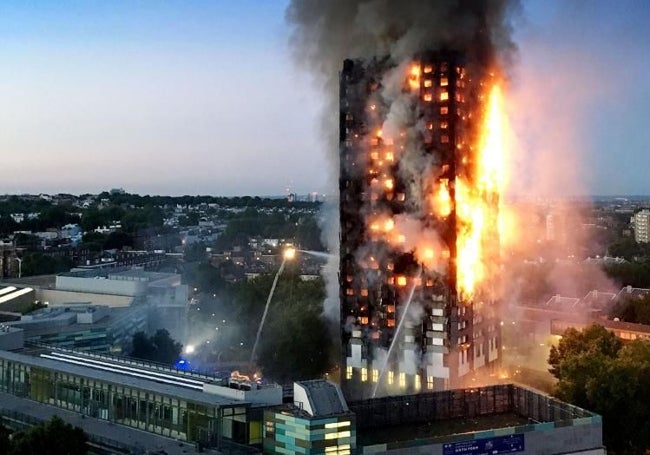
[419, 198]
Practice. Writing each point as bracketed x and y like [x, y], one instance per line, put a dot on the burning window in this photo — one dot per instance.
[460, 98]
[390, 323]
[428, 69]
[363, 320]
[444, 139]
[374, 155]
[444, 82]
[349, 291]
[364, 293]
[428, 83]
[428, 97]
[401, 280]
[401, 196]
[444, 125]
[390, 308]
[444, 96]
[444, 110]
[430, 125]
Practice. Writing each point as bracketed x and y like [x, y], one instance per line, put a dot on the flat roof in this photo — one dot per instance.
[150, 385]
[437, 428]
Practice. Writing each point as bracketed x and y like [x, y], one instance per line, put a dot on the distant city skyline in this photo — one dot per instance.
[201, 97]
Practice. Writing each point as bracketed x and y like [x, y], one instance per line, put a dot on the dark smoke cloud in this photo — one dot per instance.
[326, 32]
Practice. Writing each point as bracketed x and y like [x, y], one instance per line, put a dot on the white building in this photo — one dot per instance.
[641, 226]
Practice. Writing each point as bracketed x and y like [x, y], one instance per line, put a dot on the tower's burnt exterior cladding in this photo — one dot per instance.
[401, 212]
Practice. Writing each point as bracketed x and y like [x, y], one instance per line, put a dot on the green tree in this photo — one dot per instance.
[54, 437]
[4, 439]
[41, 264]
[118, 240]
[160, 347]
[635, 310]
[596, 371]
[295, 344]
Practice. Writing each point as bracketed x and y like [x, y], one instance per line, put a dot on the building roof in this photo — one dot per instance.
[146, 381]
[324, 398]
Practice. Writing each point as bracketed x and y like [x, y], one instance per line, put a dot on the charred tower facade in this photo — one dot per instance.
[408, 139]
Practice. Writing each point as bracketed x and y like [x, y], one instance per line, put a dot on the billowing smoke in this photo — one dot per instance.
[325, 33]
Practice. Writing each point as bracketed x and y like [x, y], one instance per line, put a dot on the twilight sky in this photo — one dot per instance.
[201, 97]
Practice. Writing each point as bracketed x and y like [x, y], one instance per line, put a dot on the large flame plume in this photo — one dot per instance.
[478, 201]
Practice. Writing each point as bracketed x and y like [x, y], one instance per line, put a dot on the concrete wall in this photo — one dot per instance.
[584, 436]
[11, 338]
[58, 297]
[270, 395]
[101, 286]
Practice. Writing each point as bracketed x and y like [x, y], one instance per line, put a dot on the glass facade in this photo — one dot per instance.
[146, 410]
[286, 432]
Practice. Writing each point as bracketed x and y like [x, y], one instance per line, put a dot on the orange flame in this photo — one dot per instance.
[414, 77]
[477, 206]
[441, 201]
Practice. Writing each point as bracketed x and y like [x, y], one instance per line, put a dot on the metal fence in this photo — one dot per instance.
[463, 403]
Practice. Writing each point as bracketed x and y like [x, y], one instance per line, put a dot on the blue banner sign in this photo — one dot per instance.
[512, 443]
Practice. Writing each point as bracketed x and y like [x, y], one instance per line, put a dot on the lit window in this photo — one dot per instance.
[337, 424]
[364, 374]
[444, 125]
[444, 82]
[444, 110]
[428, 97]
[348, 372]
[402, 380]
[364, 293]
[444, 139]
[428, 69]
[444, 96]
[391, 378]
[428, 82]
[375, 375]
[418, 383]
[430, 382]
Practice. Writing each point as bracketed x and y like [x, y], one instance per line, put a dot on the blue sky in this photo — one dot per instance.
[188, 97]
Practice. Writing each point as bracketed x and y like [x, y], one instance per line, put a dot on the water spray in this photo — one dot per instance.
[397, 333]
[288, 255]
